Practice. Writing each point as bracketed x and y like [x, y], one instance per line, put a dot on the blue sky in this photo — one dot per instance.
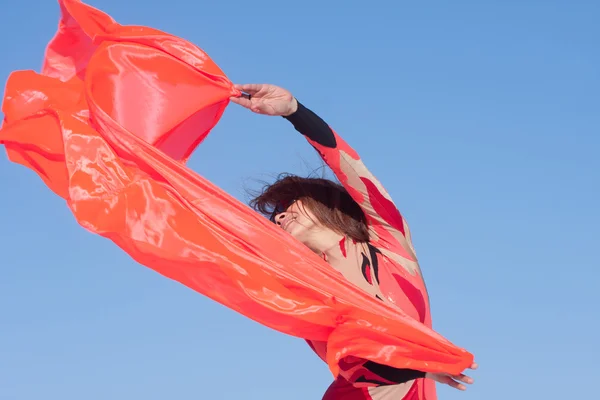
[481, 120]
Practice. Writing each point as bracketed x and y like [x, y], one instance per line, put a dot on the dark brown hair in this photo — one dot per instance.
[327, 200]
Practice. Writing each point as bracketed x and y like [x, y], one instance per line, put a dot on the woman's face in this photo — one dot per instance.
[299, 222]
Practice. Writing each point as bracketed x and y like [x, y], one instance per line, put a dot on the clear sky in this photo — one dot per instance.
[480, 118]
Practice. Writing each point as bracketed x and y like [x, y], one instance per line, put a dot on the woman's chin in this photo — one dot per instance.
[296, 231]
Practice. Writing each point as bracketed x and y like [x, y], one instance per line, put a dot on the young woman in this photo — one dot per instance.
[358, 230]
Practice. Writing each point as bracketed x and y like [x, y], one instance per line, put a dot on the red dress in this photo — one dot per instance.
[391, 266]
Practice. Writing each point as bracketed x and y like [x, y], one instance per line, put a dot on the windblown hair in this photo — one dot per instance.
[327, 200]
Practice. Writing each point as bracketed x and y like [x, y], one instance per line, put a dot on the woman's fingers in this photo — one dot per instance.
[250, 88]
[458, 386]
[458, 381]
[464, 378]
[448, 380]
[242, 101]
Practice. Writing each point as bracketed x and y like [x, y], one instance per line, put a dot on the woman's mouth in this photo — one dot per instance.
[286, 223]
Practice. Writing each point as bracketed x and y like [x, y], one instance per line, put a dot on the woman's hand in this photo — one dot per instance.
[455, 381]
[267, 99]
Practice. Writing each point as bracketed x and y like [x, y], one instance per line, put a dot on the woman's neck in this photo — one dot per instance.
[332, 247]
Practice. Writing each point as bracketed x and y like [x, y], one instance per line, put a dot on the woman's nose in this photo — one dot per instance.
[280, 217]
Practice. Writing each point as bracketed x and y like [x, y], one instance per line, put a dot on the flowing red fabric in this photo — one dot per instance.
[108, 126]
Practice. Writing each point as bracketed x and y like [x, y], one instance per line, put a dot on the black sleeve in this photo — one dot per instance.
[312, 126]
[392, 374]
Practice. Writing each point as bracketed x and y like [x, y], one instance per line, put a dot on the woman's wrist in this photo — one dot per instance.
[293, 107]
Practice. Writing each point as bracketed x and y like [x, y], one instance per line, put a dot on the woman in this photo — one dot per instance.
[357, 229]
